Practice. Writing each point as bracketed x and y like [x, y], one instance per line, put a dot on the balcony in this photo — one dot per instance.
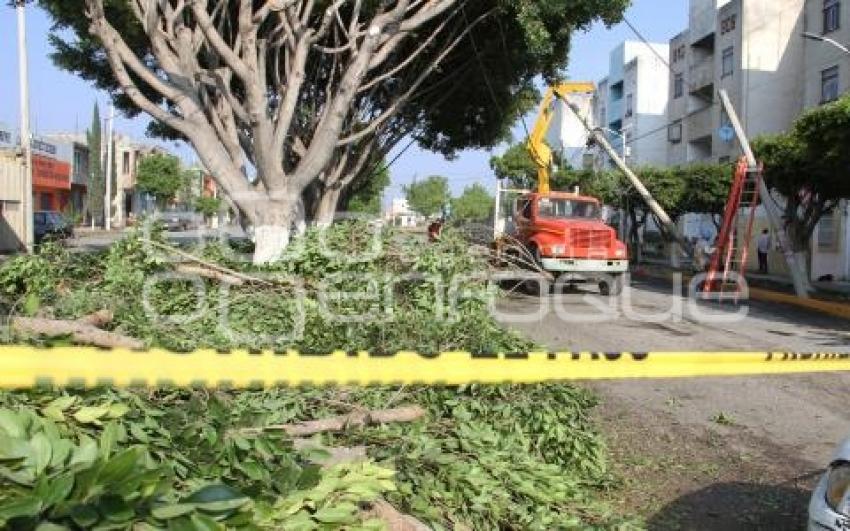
[700, 125]
[701, 74]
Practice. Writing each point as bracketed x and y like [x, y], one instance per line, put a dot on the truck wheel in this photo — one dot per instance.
[611, 286]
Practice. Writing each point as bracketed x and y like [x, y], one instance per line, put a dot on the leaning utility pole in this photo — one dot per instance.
[26, 139]
[796, 261]
[107, 200]
[667, 223]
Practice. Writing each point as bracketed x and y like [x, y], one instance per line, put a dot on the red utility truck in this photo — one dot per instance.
[567, 237]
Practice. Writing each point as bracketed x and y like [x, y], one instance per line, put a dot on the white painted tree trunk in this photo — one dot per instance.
[270, 242]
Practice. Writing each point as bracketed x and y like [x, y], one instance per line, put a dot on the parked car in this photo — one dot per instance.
[829, 508]
[49, 224]
[180, 220]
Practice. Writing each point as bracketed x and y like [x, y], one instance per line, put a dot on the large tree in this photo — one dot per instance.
[474, 204]
[808, 166]
[303, 94]
[162, 176]
[706, 189]
[429, 196]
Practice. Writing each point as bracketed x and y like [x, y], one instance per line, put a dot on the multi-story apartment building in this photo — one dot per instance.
[632, 101]
[755, 50]
[751, 48]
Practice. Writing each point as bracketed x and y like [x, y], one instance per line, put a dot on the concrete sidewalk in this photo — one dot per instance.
[831, 299]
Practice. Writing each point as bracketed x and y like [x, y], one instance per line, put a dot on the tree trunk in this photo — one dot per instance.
[272, 221]
[299, 218]
[799, 239]
[326, 207]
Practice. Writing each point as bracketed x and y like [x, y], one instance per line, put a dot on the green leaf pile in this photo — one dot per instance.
[485, 457]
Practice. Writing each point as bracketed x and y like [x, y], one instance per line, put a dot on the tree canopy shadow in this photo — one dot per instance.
[735, 506]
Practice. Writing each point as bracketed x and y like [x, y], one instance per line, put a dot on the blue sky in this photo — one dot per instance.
[62, 102]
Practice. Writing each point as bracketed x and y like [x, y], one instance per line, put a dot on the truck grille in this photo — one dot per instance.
[590, 239]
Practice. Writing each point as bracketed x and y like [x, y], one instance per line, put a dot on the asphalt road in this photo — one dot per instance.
[707, 452]
[88, 241]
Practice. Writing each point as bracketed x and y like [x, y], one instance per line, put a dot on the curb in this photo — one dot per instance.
[834, 309]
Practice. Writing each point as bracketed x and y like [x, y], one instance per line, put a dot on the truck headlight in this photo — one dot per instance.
[619, 253]
[559, 249]
[838, 488]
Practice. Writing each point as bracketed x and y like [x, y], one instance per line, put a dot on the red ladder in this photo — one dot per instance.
[731, 251]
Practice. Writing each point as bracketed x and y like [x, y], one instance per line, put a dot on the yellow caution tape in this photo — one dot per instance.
[23, 367]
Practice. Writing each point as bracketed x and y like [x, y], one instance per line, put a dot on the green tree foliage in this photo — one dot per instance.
[706, 189]
[364, 196]
[808, 166]
[516, 167]
[207, 206]
[96, 191]
[161, 176]
[428, 197]
[474, 204]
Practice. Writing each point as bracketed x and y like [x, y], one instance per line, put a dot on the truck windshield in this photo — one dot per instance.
[568, 208]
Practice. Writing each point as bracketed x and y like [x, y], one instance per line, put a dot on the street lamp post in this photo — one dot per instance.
[26, 140]
[815, 37]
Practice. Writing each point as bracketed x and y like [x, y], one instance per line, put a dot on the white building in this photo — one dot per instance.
[567, 135]
[400, 214]
[632, 101]
[751, 48]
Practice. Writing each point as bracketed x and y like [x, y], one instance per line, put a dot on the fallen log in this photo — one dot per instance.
[213, 274]
[394, 520]
[336, 454]
[354, 419]
[80, 332]
[98, 318]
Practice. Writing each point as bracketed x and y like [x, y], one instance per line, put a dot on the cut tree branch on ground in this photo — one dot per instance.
[206, 272]
[98, 318]
[395, 520]
[209, 265]
[79, 331]
[354, 419]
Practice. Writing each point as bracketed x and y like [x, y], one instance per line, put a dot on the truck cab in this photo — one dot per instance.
[566, 235]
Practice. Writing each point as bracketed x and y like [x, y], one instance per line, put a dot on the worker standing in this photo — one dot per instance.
[763, 247]
[434, 230]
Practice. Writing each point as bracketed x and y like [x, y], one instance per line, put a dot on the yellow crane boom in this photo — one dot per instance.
[540, 152]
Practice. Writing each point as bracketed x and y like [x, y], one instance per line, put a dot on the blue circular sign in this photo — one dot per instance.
[726, 133]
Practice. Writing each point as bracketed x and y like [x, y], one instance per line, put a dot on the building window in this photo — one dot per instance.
[831, 15]
[674, 133]
[828, 233]
[617, 91]
[678, 86]
[829, 85]
[125, 165]
[728, 24]
[630, 101]
[728, 62]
